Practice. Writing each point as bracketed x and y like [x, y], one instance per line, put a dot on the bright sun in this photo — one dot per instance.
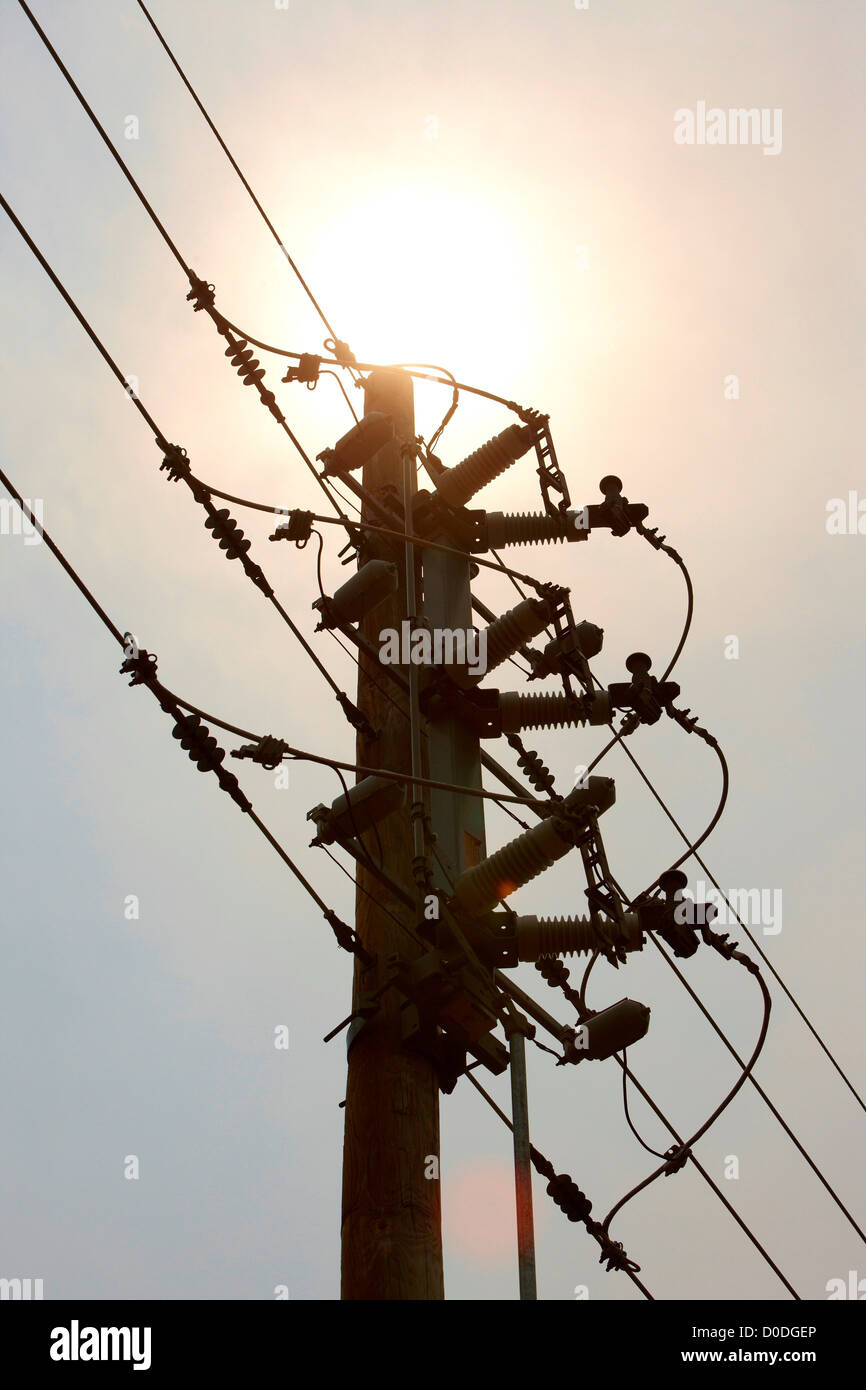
[423, 272]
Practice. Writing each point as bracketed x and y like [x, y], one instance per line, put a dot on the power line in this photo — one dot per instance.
[692, 851]
[619, 737]
[119, 637]
[676, 1157]
[544, 1166]
[230, 157]
[109, 146]
[456, 386]
[817, 1171]
[445, 378]
[159, 225]
[738, 1085]
[761, 1092]
[628, 1075]
[234, 544]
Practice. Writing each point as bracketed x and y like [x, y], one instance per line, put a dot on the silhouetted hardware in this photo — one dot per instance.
[506, 635]
[643, 693]
[358, 445]
[307, 368]
[550, 475]
[141, 668]
[371, 585]
[298, 527]
[268, 752]
[571, 652]
[478, 889]
[367, 803]
[609, 1031]
[499, 529]
[658, 914]
[448, 1013]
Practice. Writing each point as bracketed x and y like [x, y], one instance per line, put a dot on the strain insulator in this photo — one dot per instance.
[480, 888]
[532, 528]
[551, 711]
[226, 530]
[507, 634]
[199, 743]
[553, 971]
[536, 772]
[248, 366]
[249, 370]
[569, 1198]
[457, 485]
[233, 541]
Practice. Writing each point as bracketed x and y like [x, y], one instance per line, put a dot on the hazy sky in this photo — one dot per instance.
[496, 187]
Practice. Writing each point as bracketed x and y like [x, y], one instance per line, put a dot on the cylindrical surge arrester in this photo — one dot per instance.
[372, 583]
[520, 624]
[551, 711]
[533, 528]
[567, 936]
[480, 888]
[457, 485]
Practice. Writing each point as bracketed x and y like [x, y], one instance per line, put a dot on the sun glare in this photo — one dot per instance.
[421, 271]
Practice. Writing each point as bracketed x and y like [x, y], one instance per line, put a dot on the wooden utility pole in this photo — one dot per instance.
[391, 1226]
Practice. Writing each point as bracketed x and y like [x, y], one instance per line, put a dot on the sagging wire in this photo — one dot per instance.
[574, 1203]
[142, 668]
[201, 292]
[224, 147]
[625, 1076]
[491, 396]
[677, 1160]
[176, 464]
[556, 975]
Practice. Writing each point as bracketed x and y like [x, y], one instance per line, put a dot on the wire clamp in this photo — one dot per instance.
[175, 461]
[677, 1158]
[613, 1255]
[141, 668]
[298, 527]
[358, 720]
[201, 293]
[268, 752]
[341, 351]
[306, 370]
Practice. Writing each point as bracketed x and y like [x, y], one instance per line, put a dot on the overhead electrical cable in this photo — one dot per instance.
[233, 162]
[133, 183]
[231, 540]
[122, 640]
